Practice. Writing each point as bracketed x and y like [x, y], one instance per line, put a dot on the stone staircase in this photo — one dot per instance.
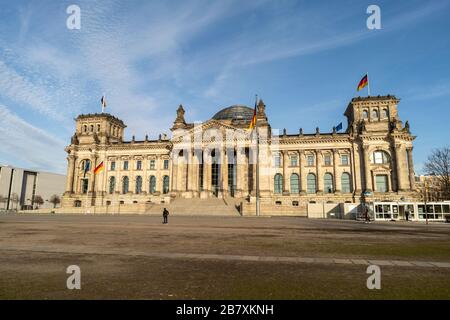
[195, 206]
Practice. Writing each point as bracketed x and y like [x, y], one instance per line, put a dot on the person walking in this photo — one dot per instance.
[165, 216]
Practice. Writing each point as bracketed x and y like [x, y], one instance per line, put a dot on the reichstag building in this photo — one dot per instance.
[221, 158]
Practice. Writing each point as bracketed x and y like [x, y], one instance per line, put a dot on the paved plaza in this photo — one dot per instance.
[137, 257]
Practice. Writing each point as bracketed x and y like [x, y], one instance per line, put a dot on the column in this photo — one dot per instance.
[70, 173]
[356, 169]
[185, 172]
[159, 165]
[303, 175]
[239, 171]
[190, 173]
[145, 176]
[194, 176]
[93, 165]
[367, 173]
[402, 178]
[245, 172]
[412, 179]
[336, 174]
[206, 170]
[319, 173]
[174, 173]
[224, 171]
[285, 172]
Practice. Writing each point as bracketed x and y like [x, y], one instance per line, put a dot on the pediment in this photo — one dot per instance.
[200, 128]
[381, 169]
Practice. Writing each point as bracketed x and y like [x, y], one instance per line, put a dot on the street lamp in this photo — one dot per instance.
[425, 199]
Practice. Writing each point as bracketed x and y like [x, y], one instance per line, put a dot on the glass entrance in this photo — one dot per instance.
[215, 178]
[231, 179]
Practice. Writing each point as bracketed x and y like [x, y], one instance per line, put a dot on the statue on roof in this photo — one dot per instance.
[179, 121]
[180, 114]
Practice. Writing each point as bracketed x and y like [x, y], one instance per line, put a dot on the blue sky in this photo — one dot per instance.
[304, 58]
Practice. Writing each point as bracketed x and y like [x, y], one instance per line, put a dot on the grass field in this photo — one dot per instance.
[123, 257]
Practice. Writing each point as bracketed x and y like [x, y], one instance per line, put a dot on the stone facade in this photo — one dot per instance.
[371, 161]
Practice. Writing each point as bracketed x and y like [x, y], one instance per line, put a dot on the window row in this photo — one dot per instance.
[125, 187]
[311, 160]
[91, 128]
[374, 115]
[138, 165]
[311, 183]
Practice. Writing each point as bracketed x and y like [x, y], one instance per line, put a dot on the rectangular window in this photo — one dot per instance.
[382, 183]
[113, 165]
[166, 164]
[446, 208]
[294, 161]
[327, 160]
[152, 164]
[344, 159]
[200, 176]
[139, 165]
[310, 160]
[277, 161]
[125, 165]
[84, 185]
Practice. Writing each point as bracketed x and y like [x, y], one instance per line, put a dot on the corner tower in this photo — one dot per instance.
[98, 128]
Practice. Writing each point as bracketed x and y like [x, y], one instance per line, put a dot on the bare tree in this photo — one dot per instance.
[15, 199]
[55, 200]
[438, 165]
[3, 200]
[38, 200]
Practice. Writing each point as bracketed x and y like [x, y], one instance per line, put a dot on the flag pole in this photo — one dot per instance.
[103, 103]
[257, 171]
[368, 84]
[257, 163]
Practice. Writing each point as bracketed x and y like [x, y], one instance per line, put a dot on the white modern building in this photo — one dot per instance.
[19, 188]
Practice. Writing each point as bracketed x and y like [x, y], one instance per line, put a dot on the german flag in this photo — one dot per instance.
[99, 168]
[103, 102]
[363, 83]
[253, 122]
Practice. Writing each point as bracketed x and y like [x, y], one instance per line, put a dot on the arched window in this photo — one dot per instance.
[138, 185]
[311, 185]
[328, 183]
[152, 184]
[92, 128]
[294, 183]
[346, 186]
[278, 183]
[380, 157]
[385, 113]
[85, 128]
[166, 184]
[112, 184]
[374, 114]
[98, 128]
[125, 184]
[365, 114]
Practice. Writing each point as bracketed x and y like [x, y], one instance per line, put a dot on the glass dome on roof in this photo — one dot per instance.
[235, 112]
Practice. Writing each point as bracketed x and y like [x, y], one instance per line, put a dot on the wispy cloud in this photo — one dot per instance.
[18, 88]
[27, 144]
[286, 43]
[148, 57]
[429, 92]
